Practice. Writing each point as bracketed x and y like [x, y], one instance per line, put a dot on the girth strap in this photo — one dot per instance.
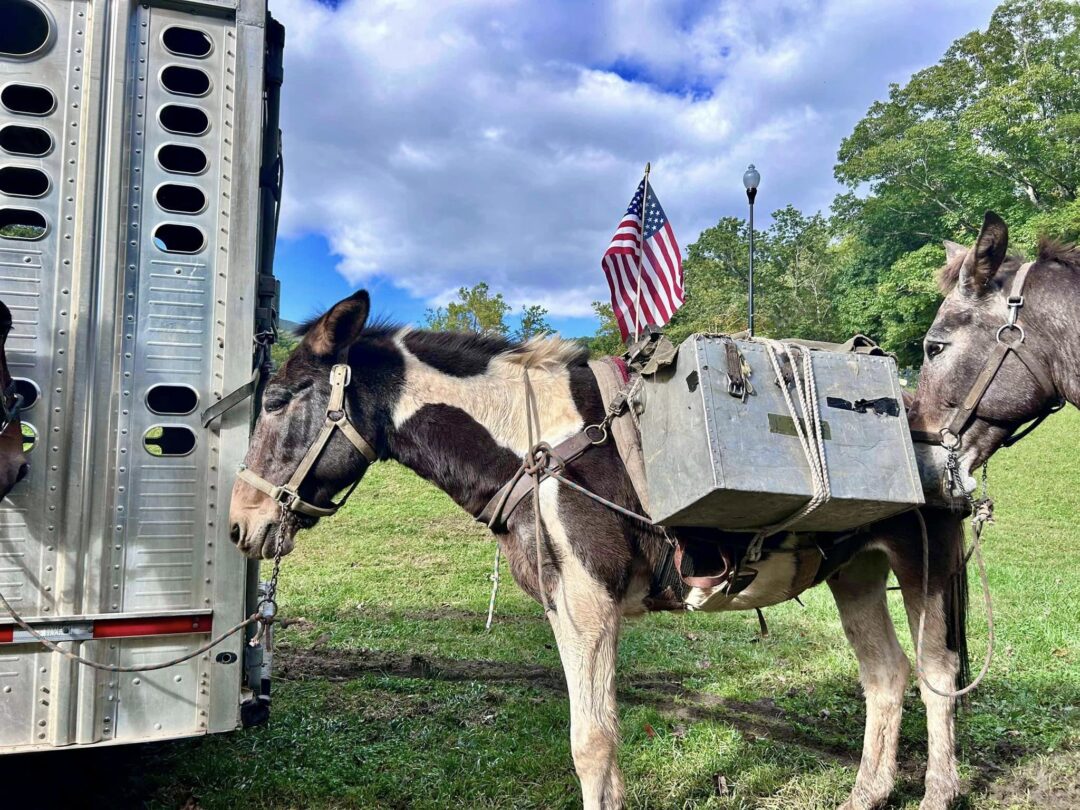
[288, 495]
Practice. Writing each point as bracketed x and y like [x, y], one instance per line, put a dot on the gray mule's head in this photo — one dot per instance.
[13, 464]
[976, 283]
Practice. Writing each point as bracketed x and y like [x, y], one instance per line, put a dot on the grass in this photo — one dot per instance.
[389, 693]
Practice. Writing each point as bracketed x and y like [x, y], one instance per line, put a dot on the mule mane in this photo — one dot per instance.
[1052, 250]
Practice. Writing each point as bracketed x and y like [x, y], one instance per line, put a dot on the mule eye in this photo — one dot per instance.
[934, 349]
[275, 404]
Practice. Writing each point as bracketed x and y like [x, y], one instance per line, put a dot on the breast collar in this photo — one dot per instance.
[288, 495]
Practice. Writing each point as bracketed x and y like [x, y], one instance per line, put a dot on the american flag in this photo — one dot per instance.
[660, 266]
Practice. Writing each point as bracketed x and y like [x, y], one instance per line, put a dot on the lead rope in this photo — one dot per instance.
[982, 513]
[264, 615]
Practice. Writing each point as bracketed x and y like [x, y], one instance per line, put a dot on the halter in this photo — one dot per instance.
[949, 436]
[288, 496]
[10, 406]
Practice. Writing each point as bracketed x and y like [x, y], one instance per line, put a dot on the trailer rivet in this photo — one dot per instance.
[42, 722]
[136, 681]
[178, 678]
[7, 690]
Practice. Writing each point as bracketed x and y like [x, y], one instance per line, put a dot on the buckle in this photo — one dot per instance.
[1015, 300]
[285, 496]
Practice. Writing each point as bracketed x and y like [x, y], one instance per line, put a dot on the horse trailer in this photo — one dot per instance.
[139, 178]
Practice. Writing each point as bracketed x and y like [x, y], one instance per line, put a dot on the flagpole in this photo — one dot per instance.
[640, 253]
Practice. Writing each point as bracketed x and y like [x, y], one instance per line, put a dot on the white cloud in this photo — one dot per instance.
[444, 142]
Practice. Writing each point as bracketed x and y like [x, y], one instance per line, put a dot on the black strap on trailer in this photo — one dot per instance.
[268, 290]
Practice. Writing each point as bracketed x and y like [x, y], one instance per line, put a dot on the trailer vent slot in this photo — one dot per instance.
[173, 238]
[185, 81]
[172, 400]
[19, 181]
[173, 157]
[180, 199]
[24, 28]
[183, 120]
[187, 42]
[29, 141]
[29, 391]
[21, 223]
[29, 437]
[169, 440]
[27, 99]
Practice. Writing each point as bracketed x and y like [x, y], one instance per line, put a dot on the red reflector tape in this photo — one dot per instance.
[6, 634]
[166, 626]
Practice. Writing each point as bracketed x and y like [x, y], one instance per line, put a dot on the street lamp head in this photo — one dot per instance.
[751, 178]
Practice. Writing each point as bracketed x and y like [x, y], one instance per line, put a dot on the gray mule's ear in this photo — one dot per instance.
[340, 327]
[5, 320]
[986, 257]
[952, 250]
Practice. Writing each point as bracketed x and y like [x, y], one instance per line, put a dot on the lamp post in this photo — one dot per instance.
[750, 179]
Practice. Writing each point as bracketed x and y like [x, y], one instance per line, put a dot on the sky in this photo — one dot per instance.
[436, 144]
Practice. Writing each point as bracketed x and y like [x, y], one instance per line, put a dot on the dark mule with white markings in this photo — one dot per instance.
[1004, 348]
[452, 407]
[13, 466]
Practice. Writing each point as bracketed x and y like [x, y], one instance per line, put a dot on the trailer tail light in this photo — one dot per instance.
[120, 627]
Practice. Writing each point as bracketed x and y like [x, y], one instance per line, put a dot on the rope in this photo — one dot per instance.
[534, 465]
[86, 662]
[978, 521]
[809, 431]
[494, 588]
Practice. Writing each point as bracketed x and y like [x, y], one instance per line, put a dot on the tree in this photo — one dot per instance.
[283, 347]
[476, 310]
[533, 322]
[608, 339]
[993, 125]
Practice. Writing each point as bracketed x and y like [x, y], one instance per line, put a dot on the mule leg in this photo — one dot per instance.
[586, 622]
[940, 666]
[859, 591]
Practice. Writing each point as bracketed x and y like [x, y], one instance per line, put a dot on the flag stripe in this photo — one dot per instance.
[643, 251]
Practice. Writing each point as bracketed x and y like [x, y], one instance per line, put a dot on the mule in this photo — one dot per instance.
[451, 407]
[1040, 369]
[13, 464]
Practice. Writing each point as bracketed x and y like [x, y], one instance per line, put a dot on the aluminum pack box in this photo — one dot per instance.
[732, 462]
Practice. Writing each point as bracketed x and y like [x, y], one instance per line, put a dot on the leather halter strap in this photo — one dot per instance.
[965, 412]
[288, 495]
[10, 406]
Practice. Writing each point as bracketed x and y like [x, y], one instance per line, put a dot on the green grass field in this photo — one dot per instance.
[389, 693]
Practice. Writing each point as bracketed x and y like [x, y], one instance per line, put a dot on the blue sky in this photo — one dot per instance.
[435, 144]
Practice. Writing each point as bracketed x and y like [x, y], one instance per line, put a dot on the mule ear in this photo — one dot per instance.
[341, 326]
[986, 257]
[952, 250]
[5, 320]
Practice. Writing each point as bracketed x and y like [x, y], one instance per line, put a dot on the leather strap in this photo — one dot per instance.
[498, 510]
[965, 412]
[288, 495]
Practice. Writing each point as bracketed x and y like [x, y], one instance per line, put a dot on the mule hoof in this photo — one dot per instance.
[940, 796]
[863, 799]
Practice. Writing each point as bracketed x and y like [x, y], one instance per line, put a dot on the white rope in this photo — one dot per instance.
[494, 588]
[808, 428]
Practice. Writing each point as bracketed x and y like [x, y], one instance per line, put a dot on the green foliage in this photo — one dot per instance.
[476, 310]
[283, 347]
[993, 125]
[607, 340]
[533, 322]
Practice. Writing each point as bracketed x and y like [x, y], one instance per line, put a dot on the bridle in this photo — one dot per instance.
[949, 436]
[288, 495]
[10, 406]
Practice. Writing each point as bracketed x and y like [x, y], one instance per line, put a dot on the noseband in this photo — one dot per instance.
[949, 436]
[288, 496]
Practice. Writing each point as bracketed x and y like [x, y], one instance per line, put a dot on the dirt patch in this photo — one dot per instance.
[1049, 781]
[761, 719]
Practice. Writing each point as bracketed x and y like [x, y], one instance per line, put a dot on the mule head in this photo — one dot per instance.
[13, 465]
[294, 412]
[976, 284]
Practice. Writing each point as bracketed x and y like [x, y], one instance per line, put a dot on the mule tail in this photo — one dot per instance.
[955, 601]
